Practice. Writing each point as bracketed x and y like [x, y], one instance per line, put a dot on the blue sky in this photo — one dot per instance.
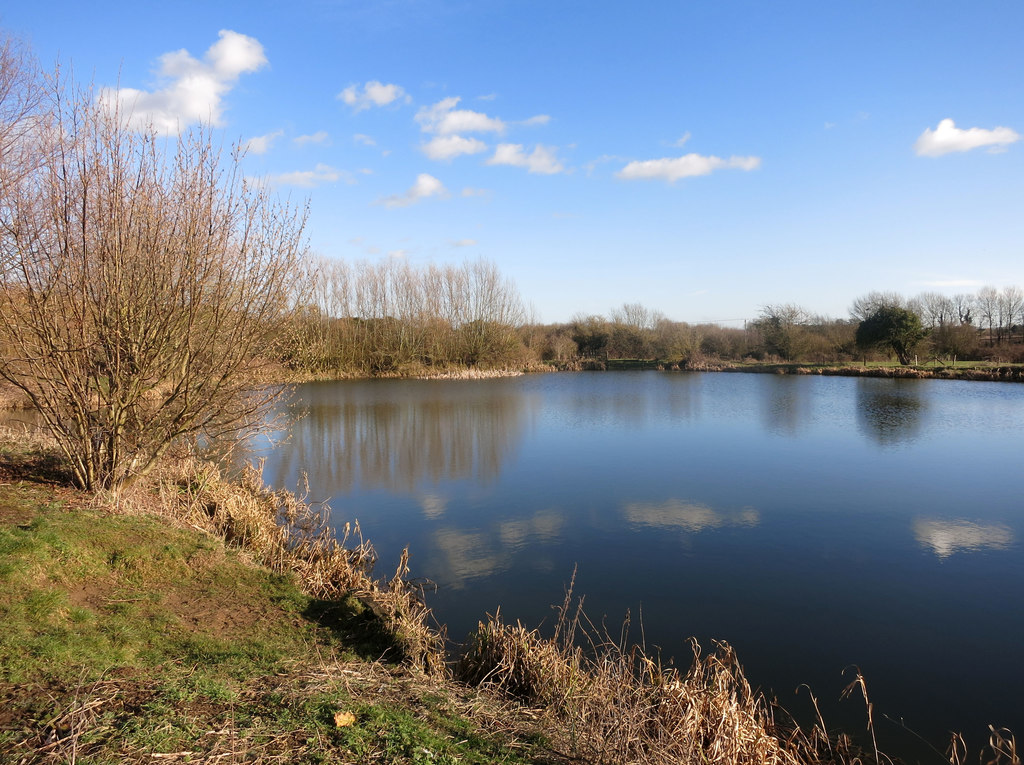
[704, 159]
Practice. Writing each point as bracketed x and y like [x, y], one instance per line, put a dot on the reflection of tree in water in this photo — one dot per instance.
[889, 411]
[785, 403]
[394, 435]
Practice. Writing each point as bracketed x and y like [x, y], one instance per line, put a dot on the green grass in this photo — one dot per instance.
[124, 636]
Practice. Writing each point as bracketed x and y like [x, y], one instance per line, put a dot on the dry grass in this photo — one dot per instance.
[284, 532]
[617, 704]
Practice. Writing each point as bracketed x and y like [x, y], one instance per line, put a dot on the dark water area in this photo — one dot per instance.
[812, 522]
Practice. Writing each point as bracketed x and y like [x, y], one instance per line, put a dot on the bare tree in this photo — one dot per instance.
[866, 305]
[1011, 302]
[987, 303]
[143, 282]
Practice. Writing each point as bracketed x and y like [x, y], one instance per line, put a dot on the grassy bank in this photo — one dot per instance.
[128, 639]
[975, 371]
[183, 622]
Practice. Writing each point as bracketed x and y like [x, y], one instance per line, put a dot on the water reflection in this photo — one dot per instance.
[692, 517]
[948, 537]
[398, 436]
[785, 405]
[890, 412]
[433, 506]
[463, 556]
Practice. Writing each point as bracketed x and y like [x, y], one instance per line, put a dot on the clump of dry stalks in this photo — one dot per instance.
[617, 704]
[283, 531]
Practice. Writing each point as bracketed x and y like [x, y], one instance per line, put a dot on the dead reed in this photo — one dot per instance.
[618, 704]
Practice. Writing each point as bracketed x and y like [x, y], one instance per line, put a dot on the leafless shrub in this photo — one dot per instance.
[142, 284]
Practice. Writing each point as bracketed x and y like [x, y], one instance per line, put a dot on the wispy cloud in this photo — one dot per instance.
[373, 93]
[261, 144]
[426, 186]
[464, 243]
[308, 179]
[194, 90]
[365, 140]
[948, 138]
[469, 191]
[671, 169]
[319, 137]
[541, 160]
[953, 283]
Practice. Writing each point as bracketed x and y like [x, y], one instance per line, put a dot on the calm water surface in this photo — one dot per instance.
[812, 522]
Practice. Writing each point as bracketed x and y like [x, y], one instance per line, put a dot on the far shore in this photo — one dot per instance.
[964, 370]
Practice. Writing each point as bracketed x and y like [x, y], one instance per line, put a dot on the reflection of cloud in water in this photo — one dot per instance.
[545, 526]
[688, 516]
[433, 506]
[470, 555]
[948, 537]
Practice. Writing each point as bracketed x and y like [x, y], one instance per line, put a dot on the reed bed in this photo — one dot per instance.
[618, 704]
[283, 531]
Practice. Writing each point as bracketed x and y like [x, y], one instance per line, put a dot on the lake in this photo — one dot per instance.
[812, 522]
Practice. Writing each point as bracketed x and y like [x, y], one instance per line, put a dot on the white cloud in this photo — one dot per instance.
[471, 192]
[194, 90]
[953, 283]
[541, 160]
[365, 140]
[681, 141]
[443, 118]
[426, 186]
[398, 254]
[374, 94]
[261, 144]
[540, 119]
[451, 146]
[308, 179]
[671, 169]
[464, 243]
[319, 137]
[947, 138]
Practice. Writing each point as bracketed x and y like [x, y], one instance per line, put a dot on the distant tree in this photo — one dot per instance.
[963, 305]
[783, 330]
[866, 305]
[891, 327]
[591, 335]
[936, 310]
[954, 340]
[987, 303]
[1011, 303]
